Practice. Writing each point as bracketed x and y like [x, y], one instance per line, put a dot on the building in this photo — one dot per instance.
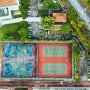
[6, 8]
[60, 17]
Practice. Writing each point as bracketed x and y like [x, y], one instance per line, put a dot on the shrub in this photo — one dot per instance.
[43, 14]
[65, 28]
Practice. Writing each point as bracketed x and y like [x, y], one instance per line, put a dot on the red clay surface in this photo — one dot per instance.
[42, 60]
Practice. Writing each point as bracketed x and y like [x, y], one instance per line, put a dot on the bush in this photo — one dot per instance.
[77, 78]
[17, 16]
[43, 14]
[65, 28]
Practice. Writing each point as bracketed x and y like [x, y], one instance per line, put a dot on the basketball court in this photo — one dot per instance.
[19, 60]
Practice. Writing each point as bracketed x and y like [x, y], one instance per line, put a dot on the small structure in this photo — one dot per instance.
[60, 17]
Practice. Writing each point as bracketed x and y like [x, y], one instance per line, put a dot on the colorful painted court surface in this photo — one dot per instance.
[18, 51]
[18, 69]
[19, 60]
[42, 60]
[55, 60]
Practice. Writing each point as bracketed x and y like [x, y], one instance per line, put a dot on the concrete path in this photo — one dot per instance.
[16, 20]
[81, 11]
[45, 84]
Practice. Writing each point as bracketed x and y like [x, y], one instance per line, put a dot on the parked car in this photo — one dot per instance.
[40, 0]
[47, 32]
[40, 26]
[29, 13]
[29, 7]
[41, 30]
[29, 23]
[30, 36]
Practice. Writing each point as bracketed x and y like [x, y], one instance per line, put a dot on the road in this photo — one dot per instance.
[81, 11]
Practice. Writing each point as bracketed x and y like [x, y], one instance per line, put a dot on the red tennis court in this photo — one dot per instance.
[61, 61]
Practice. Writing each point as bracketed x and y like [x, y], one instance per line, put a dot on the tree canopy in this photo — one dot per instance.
[23, 8]
[23, 24]
[43, 14]
[47, 22]
[65, 1]
[65, 28]
[72, 14]
[24, 33]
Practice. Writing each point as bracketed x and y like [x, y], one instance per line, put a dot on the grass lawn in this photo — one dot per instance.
[85, 2]
[21, 88]
[8, 29]
[55, 27]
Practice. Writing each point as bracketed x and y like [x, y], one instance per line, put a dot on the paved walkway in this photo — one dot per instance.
[81, 11]
[45, 84]
[28, 19]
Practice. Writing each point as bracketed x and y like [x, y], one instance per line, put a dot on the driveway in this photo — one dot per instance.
[34, 8]
[35, 27]
[82, 11]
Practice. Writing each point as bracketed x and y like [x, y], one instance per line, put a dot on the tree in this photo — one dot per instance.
[43, 14]
[89, 2]
[85, 30]
[80, 24]
[24, 34]
[23, 8]
[23, 24]
[72, 14]
[65, 1]
[47, 22]
[65, 28]
[77, 78]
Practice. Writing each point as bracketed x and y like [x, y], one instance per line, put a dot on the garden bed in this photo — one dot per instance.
[55, 28]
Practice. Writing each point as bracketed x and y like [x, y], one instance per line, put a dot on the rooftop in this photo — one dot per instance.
[60, 17]
[7, 2]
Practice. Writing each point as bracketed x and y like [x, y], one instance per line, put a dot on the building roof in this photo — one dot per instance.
[7, 2]
[60, 17]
